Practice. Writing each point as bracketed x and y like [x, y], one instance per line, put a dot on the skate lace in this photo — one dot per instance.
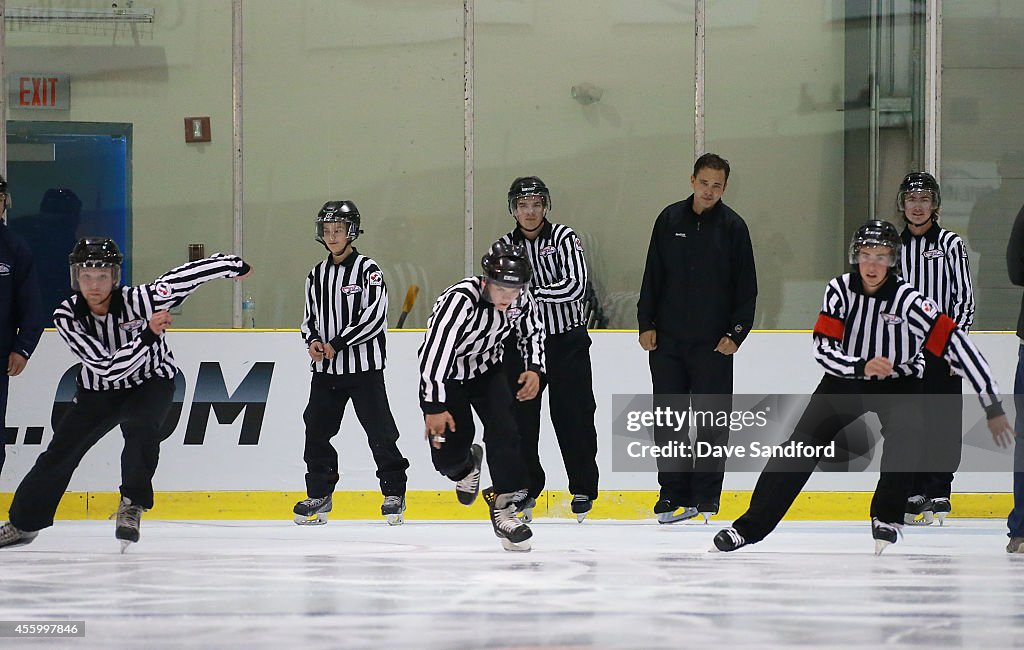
[917, 500]
[8, 533]
[505, 519]
[470, 482]
[129, 516]
[734, 537]
[315, 503]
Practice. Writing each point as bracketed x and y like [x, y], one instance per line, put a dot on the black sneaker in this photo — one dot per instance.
[669, 513]
[468, 486]
[728, 540]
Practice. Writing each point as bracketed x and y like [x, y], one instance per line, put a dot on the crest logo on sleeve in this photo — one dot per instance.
[513, 313]
[163, 289]
[891, 319]
[933, 254]
[136, 324]
[5, 269]
[928, 307]
[578, 244]
[376, 279]
[547, 250]
[350, 289]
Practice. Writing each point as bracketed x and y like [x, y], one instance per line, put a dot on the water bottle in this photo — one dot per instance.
[249, 313]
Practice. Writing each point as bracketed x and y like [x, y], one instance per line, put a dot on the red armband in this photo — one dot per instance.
[829, 327]
[939, 337]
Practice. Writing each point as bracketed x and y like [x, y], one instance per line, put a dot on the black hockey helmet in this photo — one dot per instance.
[528, 186]
[92, 253]
[507, 265]
[876, 233]
[339, 212]
[919, 182]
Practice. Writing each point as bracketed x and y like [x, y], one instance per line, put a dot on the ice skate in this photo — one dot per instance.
[468, 487]
[728, 540]
[514, 534]
[393, 509]
[1015, 545]
[11, 536]
[581, 505]
[941, 507]
[524, 509]
[313, 511]
[884, 534]
[707, 510]
[129, 518]
[918, 511]
[669, 513]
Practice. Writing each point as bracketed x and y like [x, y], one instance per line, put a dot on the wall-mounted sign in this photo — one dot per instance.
[39, 90]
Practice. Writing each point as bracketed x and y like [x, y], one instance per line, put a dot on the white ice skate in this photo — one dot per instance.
[393, 509]
[312, 511]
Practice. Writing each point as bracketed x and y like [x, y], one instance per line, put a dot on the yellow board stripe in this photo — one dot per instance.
[426, 504]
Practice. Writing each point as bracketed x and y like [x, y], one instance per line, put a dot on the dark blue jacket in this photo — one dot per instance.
[21, 317]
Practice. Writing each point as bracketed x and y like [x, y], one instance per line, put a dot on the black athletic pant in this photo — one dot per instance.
[140, 412]
[5, 382]
[942, 444]
[489, 396]
[835, 404]
[570, 384]
[329, 394]
[695, 369]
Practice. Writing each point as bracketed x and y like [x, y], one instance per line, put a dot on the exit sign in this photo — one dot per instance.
[39, 91]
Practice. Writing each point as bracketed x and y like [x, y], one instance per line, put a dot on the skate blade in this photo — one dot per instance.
[673, 517]
[520, 547]
[880, 545]
[707, 516]
[396, 520]
[941, 516]
[125, 543]
[313, 520]
[580, 517]
[526, 516]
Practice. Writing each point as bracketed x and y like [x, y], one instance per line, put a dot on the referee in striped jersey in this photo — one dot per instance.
[868, 338]
[461, 372]
[934, 261]
[127, 379]
[344, 329]
[558, 285]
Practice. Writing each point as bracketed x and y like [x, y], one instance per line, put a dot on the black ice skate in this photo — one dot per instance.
[468, 487]
[392, 509]
[11, 536]
[941, 507]
[707, 510]
[884, 534]
[524, 509]
[669, 513]
[581, 505]
[918, 511]
[728, 540]
[312, 511]
[1015, 545]
[129, 518]
[514, 534]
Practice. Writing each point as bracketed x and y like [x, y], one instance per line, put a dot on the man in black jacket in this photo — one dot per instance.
[696, 306]
[1015, 267]
[21, 314]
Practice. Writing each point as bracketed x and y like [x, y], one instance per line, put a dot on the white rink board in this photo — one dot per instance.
[767, 363]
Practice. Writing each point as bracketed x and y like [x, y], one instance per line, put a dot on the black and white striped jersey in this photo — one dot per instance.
[347, 306]
[118, 350]
[936, 264]
[559, 275]
[897, 322]
[464, 336]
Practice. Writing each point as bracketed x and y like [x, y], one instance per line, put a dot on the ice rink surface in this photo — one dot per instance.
[450, 585]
